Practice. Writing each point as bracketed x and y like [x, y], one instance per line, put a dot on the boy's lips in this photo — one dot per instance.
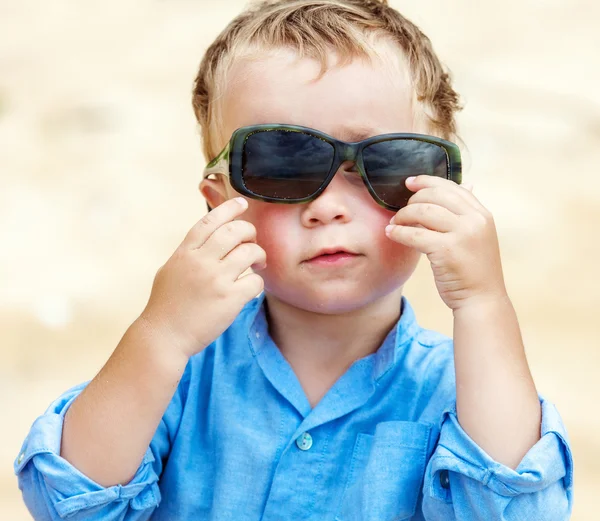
[333, 254]
[330, 251]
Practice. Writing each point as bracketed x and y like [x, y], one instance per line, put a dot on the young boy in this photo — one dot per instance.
[322, 398]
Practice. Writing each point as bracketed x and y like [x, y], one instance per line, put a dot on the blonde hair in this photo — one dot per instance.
[312, 28]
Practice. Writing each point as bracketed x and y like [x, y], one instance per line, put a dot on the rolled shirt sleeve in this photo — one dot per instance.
[463, 483]
[54, 489]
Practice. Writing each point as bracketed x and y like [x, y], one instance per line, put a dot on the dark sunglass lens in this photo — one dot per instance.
[285, 164]
[389, 163]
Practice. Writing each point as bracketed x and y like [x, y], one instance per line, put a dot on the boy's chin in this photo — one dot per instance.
[336, 301]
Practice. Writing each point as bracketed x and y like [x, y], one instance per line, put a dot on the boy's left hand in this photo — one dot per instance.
[446, 222]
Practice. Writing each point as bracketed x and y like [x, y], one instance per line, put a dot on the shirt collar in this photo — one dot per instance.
[397, 341]
[388, 353]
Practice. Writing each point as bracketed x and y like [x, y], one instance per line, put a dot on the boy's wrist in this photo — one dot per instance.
[158, 342]
[492, 300]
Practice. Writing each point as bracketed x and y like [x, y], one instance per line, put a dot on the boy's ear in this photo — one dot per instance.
[214, 191]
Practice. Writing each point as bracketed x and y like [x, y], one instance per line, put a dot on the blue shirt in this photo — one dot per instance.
[239, 441]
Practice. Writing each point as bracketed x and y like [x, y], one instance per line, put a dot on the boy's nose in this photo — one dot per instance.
[335, 202]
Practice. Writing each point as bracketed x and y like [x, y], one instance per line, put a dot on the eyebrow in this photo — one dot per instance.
[352, 134]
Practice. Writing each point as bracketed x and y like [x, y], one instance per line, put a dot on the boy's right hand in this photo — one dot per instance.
[196, 294]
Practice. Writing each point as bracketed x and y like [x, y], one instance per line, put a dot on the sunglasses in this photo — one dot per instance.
[291, 164]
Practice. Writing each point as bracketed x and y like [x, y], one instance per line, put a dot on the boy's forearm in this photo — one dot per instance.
[497, 402]
[109, 426]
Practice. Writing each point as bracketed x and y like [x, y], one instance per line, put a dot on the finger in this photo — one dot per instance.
[203, 229]
[249, 286]
[421, 239]
[432, 216]
[244, 256]
[419, 183]
[444, 197]
[229, 236]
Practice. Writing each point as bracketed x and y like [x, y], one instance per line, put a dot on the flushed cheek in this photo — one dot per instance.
[276, 233]
[397, 258]
[393, 257]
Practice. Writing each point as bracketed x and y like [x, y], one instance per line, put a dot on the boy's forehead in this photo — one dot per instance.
[351, 102]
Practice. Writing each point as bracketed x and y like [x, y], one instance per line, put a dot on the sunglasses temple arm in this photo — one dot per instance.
[218, 166]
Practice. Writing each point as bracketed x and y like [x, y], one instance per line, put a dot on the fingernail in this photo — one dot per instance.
[392, 219]
[389, 228]
[242, 201]
[410, 179]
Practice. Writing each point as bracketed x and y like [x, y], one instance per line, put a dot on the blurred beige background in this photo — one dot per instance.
[100, 161]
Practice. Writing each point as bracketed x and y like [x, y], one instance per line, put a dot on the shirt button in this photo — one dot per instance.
[445, 479]
[21, 456]
[304, 441]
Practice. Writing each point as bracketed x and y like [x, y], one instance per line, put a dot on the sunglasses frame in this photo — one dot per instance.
[229, 160]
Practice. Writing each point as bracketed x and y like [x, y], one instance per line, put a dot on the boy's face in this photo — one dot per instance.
[349, 103]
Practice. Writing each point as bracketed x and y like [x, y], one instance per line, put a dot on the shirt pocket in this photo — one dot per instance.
[386, 473]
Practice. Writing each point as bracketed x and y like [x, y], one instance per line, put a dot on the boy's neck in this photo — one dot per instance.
[320, 348]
